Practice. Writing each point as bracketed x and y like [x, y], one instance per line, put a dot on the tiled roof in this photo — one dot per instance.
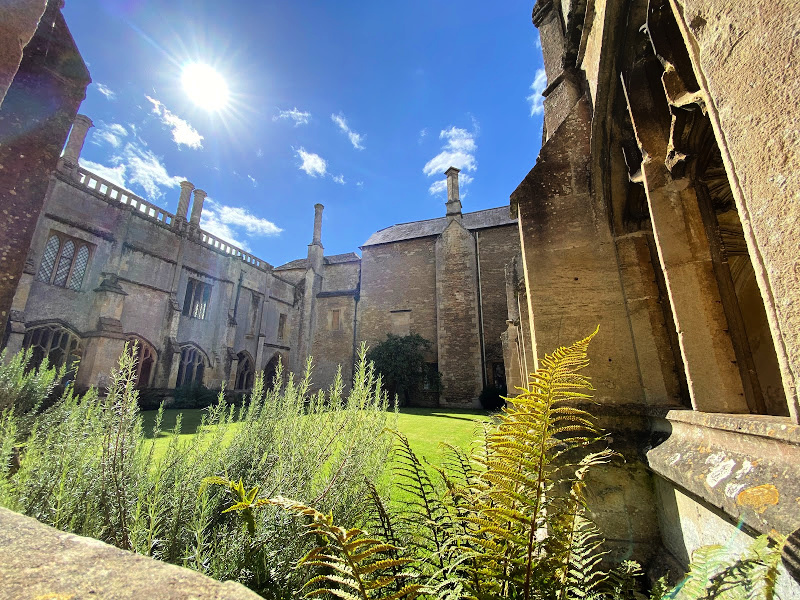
[481, 219]
[334, 259]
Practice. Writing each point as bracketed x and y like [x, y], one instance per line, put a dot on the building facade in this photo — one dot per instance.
[107, 267]
[664, 206]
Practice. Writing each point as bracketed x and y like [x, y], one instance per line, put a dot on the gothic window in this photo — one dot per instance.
[64, 261]
[195, 302]
[282, 327]
[145, 362]
[432, 378]
[191, 368]
[334, 320]
[55, 343]
[244, 372]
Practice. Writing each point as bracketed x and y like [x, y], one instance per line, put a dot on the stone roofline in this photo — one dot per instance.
[511, 219]
[89, 182]
[333, 259]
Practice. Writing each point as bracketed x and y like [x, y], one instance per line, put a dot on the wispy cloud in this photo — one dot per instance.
[339, 179]
[110, 133]
[355, 138]
[536, 99]
[313, 164]
[253, 180]
[360, 184]
[232, 223]
[146, 169]
[440, 186]
[182, 132]
[106, 91]
[458, 151]
[115, 175]
[297, 116]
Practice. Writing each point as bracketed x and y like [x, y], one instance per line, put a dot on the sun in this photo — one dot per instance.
[205, 86]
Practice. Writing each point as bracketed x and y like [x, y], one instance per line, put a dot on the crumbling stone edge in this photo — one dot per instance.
[38, 561]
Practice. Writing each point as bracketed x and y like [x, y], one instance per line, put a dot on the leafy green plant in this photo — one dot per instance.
[400, 360]
[86, 466]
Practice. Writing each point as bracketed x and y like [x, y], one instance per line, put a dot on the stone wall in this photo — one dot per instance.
[497, 246]
[458, 316]
[33, 133]
[398, 276]
[140, 264]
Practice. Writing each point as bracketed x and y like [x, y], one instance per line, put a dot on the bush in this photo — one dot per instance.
[88, 468]
[492, 397]
[193, 395]
[400, 360]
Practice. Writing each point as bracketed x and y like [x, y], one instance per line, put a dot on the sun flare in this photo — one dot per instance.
[205, 86]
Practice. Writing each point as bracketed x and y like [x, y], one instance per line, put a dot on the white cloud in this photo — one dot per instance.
[253, 180]
[299, 117]
[259, 153]
[106, 91]
[355, 138]
[537, 87]
[146, 169]
[182, 132]
[339, 179]
[313, 164]
[458, 151]
[111, 134]
[440, 186]
[115, 175]
[360, 184]
[232, 222]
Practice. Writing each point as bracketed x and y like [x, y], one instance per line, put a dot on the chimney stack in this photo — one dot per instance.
[197, 206]
[317, 240]
[183, 201]
[72, 151]
[453, 198]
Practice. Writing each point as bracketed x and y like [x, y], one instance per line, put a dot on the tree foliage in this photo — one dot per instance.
[400, 360]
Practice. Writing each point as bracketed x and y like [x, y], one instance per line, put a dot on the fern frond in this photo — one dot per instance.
[359, 566]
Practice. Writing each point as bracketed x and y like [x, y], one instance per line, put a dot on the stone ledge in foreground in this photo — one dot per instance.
[39, 562]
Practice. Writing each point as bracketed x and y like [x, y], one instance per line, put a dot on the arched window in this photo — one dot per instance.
[53, 342]
[192, 366]
[145, 362]
[64, 262]
[271, 370]
[244, 372]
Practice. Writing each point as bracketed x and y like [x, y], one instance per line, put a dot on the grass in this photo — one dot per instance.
[425, 428]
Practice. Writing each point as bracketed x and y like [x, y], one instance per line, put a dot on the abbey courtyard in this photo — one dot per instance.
[664, 206]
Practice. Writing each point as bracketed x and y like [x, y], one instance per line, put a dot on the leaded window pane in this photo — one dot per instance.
[64, 263]
[49, 259]
[79, 269]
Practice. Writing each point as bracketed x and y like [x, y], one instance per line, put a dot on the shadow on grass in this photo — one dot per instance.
[190, 421]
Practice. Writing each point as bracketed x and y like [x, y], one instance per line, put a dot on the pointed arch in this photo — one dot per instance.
[146, 358]
[193, 363]
[245, 371]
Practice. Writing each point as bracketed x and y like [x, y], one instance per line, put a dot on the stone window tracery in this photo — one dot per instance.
[64, 262]
[195, 302]
[192, 367]
[55, 343]
[244, 372]
[145, 362]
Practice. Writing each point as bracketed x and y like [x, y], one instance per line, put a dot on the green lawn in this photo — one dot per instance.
[425, 428]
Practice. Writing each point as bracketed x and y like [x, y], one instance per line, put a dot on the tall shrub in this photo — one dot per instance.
[87, 467]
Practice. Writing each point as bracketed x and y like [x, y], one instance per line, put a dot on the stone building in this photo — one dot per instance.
[107, 267]
[38, 59]
[665, 207]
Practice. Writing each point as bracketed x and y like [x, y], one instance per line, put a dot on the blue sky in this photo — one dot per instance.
[358, 105]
